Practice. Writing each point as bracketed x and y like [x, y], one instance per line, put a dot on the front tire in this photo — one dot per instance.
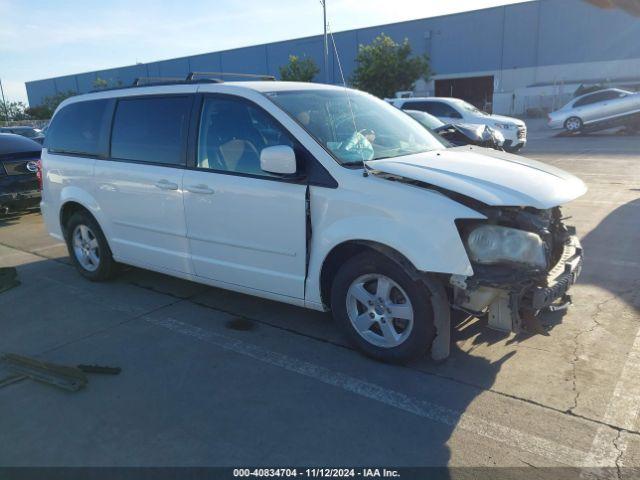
[382, 310]
[573, 124]
[88, 248]
[513, 149]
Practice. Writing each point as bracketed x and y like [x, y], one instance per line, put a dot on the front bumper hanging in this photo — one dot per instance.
[511, 308]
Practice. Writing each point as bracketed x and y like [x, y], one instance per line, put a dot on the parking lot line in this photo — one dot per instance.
[622, 411]
[47, 247]
[500, 433]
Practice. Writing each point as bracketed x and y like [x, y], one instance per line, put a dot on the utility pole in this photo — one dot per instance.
[326, 42]
[4, 104]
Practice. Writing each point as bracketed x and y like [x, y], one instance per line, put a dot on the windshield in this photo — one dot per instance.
[470, 108]
[354, 126]
[425, 119]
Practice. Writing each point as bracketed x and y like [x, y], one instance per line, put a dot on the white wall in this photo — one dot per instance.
[514, 93]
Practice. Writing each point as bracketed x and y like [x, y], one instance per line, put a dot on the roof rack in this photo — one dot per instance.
[192, 77]
[213, 75]
[146, 81]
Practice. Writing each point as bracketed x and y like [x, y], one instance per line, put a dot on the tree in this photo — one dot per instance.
[100, 83]
[49, 104]
[299, 70]
[385, 67]
[13, 111]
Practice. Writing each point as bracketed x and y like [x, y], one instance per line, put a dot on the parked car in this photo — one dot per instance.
[19, 159]
[313, 195]
[458, 134]
[455, 110]
[34, 134]
[598, 110]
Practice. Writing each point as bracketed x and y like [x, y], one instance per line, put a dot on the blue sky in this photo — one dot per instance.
[44, 38]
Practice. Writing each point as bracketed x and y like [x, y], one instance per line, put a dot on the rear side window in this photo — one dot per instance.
[597, 97]
[80, 128]
[152, 130]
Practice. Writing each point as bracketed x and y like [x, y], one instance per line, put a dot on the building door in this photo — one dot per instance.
[476, 90]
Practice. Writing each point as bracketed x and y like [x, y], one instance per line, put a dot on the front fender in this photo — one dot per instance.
[436, 248]
[423, 231]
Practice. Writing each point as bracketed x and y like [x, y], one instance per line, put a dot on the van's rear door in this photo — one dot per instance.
[139, 188]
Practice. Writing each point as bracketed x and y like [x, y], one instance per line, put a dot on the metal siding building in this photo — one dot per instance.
[531, 54]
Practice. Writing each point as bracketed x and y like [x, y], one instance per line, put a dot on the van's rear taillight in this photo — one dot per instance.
[39, 175]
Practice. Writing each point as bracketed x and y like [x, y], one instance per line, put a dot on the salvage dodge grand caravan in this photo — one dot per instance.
[313, 195]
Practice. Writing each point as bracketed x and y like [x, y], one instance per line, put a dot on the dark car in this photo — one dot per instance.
[19, 165]
[33, 133]
[460, 133]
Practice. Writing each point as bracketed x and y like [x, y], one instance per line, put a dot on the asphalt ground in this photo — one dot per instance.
[214, 378]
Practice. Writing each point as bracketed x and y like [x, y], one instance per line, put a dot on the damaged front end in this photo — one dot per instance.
[524, 261]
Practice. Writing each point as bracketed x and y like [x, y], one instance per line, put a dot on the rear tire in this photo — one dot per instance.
[88, 248]
[383, 312]
[573, 124]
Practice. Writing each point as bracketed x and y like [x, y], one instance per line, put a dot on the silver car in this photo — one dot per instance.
[598, 110]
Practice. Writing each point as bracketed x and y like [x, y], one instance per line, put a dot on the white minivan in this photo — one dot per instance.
[313, 195]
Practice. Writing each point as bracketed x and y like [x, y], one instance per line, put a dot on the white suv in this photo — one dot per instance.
[312, 195]
[455, 110]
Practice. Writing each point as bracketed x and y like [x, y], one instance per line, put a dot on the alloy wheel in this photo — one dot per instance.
[573, 124]
[379, 310]
[86, 248]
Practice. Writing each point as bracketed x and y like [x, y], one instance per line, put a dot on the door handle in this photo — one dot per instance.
[200, 188]
[166, 185]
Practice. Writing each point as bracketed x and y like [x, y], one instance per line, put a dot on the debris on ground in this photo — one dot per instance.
[100, 369]
[8, 278]
[66, 377]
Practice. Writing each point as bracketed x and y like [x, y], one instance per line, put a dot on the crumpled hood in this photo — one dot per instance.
[469, 130]
[490, 176]
[475, 132]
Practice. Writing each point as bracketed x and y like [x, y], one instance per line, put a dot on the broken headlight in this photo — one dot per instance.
[491, 244]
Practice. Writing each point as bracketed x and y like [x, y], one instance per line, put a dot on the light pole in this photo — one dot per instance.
[4, 104]
[326, 42]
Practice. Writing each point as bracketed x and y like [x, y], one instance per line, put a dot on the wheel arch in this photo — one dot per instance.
[73, 199]
[347, 249]
[71, 206]
[67, 210]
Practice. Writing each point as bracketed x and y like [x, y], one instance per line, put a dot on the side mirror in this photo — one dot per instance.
[280, 159]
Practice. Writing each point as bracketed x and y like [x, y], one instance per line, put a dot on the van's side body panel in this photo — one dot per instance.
[67, 179]
[144, 213]
[248, 231]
